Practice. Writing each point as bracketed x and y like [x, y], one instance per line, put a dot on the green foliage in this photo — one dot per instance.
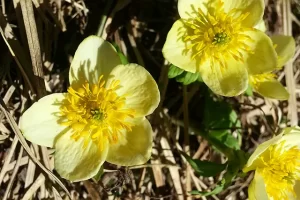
[219, 120]
[249, 91]
[204, 168]
[123, 58]
[182, 76]
[174, 71]
[236, 162]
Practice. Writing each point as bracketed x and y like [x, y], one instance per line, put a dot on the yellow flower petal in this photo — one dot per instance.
[39, 123]
[272, 89]
[76, 161]
[175, 49]
[227, 81]
[138, 87]
[255, 8]
[135, 149]
[285, 48]
[264, 57]
[261, 26]
[186, 8]
[257, 189]
[94, 57]
[291, 137]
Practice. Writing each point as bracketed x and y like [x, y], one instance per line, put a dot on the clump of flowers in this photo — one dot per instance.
[266, 83]
[218, 39]
[277, 167]
[100, 118]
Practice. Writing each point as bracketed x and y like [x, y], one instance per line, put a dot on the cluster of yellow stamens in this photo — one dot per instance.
[217, 35]
[95, 111]
[280, 171]
[256, 80]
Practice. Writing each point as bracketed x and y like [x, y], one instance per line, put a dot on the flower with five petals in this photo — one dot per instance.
[100, 118]
[217, 38]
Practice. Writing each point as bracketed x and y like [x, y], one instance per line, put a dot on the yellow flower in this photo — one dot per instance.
[277, 168]
[266, 83]
[101, 117]
[217, 38]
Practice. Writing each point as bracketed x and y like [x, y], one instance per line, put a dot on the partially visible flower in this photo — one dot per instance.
[218, 39]
[101, 117]
[277, 168]
[266, 83]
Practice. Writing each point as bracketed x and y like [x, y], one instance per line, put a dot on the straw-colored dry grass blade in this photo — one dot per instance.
[17, 131]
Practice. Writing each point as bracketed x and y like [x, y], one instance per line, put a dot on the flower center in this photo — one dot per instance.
[221, 38]
[96, 112]
[217, 35]
[280, 171]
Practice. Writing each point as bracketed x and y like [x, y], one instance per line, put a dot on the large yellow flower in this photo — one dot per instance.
[266, 83]
[101, 117]
[218, 39]
[277, 168]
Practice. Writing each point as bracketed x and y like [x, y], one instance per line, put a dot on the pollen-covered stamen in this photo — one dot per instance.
[280, 171]
[217, 35]
[96, 112]
[256, 80]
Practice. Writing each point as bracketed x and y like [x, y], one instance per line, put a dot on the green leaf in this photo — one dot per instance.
[187, 78]
[219, 188]
[174, 71]
[249, 91]
[122, 57]
[204, 168]
[219, 120]
[236, 162]
[182, 76]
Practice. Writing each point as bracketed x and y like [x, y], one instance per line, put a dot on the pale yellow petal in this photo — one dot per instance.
[138, 86]
[94, 57]
[253, 162]
[257, 188]
[291, 138]
[291, 130]
[135, 147]
[285, 48]
[261, 26]
[227, 81]
[254, 9]
[175, 49]
[39, 122]
[272, 89]
[75, 162]
[264, 57]
[187, 8]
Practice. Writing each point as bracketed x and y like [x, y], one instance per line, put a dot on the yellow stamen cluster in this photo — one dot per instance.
[217, 35]
[281, 168]
[256, 80]
[95, 111]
